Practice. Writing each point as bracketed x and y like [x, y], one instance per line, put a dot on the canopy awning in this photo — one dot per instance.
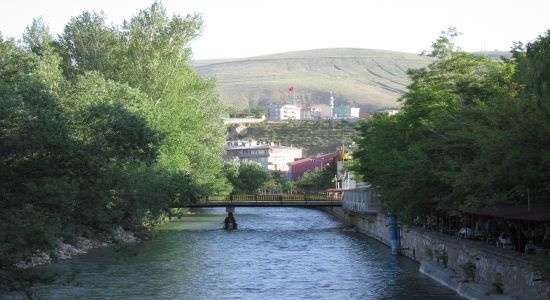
[538, 212]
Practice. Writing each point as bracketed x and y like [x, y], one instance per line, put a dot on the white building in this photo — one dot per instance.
[273, 157]
[283, 112]
[387, 110]
[346, 111]
[321, 111]
[354, 112]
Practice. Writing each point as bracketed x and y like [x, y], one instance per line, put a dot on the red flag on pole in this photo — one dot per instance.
[291, 88]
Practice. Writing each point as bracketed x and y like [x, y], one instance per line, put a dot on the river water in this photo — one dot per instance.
[277, 253]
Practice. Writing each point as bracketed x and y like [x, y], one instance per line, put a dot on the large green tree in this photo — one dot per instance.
[101, 127]
[318, 179]
[438, 149]
[246, 177]
[36, 191]
[151, 53]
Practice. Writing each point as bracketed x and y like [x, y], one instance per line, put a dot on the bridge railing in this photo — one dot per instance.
[362, 200]
[271, 198]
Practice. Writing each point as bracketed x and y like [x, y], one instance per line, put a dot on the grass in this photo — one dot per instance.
[365, 78]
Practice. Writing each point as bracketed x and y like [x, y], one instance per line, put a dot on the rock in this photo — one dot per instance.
[123, 237]
[39, 258]
[87, 244]
[66, 251]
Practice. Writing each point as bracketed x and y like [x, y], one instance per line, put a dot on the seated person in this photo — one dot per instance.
[504, 240]
[465, 233]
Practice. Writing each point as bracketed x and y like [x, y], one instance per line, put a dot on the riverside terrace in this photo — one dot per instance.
[521, 228]
[326, 199]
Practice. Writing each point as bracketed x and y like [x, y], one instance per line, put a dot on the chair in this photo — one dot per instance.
[507, 243]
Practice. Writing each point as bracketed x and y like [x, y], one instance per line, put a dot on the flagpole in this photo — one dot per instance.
[293, 90]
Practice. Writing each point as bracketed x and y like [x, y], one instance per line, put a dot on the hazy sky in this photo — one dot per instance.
[243, 28]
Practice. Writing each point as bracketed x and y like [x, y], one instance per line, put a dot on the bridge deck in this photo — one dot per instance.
[280, 200]
[266, 204]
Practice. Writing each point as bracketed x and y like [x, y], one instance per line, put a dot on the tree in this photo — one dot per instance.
[84, 142]
[533, 65]
[399, 170]
[246, 177]
[151, 53]
[37, 37]
[435, 150]
[36, 191]
[528, 122]
[318, 179]
[444, 46]
[257, 111]
[88, 44]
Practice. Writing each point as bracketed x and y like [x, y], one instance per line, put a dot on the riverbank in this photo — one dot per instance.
[443, 258]
[81, 246]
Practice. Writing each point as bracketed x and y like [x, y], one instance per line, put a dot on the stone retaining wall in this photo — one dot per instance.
[443, 258]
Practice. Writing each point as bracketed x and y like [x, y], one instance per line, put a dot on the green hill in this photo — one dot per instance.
[366, 78]
[314, 136]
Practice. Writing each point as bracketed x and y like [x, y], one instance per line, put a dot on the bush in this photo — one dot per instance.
[497, 284]
[542, 264]
[469, 269]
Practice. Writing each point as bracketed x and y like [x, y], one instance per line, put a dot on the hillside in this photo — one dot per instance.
[366, 78]
[313, 136]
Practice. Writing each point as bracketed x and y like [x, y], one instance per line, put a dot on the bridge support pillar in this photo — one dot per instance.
[229, 222]
[395, 240]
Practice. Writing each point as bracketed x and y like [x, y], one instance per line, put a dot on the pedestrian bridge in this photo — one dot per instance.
[278, 200]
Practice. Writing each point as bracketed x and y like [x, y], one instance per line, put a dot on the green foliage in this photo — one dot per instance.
[87, 44]
[541, 264]
[429, 253]
[104, 127]
[314, 136]
[282, 183]
[37, 37]
[498, 286]
[318, 179]
[365, 78]
[246, 177]
[533, 71]
[444, 46]
[469, 269]
[468, 136]
[151, 54]
[257, 111]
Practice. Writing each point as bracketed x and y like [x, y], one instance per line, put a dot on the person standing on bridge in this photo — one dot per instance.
[229, 222]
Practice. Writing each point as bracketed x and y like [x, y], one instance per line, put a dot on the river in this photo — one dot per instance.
[277, 253]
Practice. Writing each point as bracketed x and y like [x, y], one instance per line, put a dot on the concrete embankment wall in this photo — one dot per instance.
[442, 257]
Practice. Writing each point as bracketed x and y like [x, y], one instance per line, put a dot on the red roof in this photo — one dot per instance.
[298, 167]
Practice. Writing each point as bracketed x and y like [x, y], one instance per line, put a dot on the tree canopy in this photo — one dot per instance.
[246, 177]
[103, 126]
[472, 132]
[318, 180]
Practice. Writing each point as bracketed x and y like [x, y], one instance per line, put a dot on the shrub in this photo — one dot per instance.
[469, 269]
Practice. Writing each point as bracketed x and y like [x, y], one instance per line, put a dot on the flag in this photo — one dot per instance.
[291, 88]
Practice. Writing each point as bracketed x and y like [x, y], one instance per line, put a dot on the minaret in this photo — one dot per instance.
[331, 105]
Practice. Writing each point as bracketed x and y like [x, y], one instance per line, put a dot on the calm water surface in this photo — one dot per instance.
[277, 253]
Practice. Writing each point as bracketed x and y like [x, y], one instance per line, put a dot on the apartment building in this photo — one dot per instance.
[272, 156]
